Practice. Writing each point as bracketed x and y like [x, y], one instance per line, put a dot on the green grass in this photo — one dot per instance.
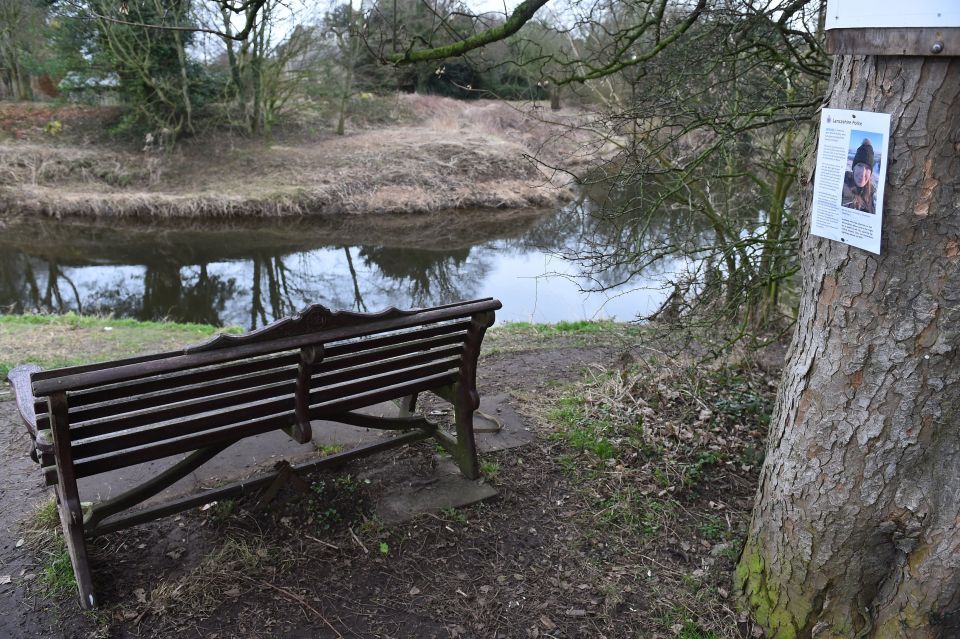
[54, 341]
[328, 449]
[692, 630]
[57, 573]
[579, 326]
[519, 336]
[489, 470]
[713, 528]
[86, 321]
[454, 516]
[580, 430]
[46, 516]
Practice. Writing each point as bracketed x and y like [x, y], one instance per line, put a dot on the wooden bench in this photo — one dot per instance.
[87, 420]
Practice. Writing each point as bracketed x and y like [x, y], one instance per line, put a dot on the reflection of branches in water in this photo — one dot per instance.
[32, 279]
[280, 292]
[256, 303]
[616, 236]
[20, 289]
[170, 280]
[357, 297]
[426, 278]
[162, 291]
[171, 293]
[205, 299]
[114, 298]
[54, 275]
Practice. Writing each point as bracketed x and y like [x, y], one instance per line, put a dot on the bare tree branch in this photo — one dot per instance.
[520, 16]
[251, 8]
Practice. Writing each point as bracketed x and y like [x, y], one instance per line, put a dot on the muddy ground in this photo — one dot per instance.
[548, 557]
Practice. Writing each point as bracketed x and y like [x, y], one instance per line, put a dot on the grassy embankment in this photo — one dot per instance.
[424, 154]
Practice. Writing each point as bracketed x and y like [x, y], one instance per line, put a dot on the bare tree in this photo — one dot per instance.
[21, 35]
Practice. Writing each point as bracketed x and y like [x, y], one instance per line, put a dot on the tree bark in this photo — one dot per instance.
[855, 527]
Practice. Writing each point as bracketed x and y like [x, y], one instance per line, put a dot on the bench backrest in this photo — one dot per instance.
[315, 365]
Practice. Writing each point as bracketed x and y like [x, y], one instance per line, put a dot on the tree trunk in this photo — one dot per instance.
[184, 81]
[854, 531]
[347, 88]
[256, 77]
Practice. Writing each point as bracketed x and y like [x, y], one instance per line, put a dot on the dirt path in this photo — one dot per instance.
[20, 489]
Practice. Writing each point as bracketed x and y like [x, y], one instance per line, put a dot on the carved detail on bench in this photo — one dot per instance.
[312, 319]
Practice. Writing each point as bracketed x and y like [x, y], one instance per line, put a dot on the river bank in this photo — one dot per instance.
[432, 154]
[621, 517]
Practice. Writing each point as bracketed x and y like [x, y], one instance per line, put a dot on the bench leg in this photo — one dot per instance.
[68, 500]
[71, 518]
[466, 451]
[408, 404]
[463, 449]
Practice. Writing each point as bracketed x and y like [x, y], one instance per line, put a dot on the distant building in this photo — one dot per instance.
[102, 90]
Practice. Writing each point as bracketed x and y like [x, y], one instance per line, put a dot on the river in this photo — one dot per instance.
[251, 273]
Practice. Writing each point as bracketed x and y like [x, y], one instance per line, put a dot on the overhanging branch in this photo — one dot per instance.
[251, 6]
[520, 16]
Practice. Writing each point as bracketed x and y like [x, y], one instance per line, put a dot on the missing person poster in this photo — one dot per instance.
[851, 173]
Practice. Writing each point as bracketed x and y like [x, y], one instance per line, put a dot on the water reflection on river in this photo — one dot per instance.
[251, 274]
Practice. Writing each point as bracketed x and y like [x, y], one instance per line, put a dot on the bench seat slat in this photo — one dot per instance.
[189, 425]
[95, 466]
[225, 383]
[176, 421]
[185, 379]
[332, 408]
[371, 345]
[85, 368]
[102, 411]
[337, 355]
[194, 376]
[97, 400]
[248, 390]
[170, 447]
[179, 362]
[450, 355]
[329, 393]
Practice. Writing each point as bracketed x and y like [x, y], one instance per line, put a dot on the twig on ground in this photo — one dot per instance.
[320, 541]
[359, 543]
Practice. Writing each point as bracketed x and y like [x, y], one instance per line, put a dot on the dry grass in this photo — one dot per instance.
[456, 155]
[665, 453]
[224, 574]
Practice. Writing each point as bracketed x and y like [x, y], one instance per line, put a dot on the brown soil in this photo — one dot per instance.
[446, 154]
[541, 560]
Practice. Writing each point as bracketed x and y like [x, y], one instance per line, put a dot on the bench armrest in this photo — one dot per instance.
[23, 392]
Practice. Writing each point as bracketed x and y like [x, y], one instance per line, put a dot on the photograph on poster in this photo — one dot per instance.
[850, 177]
[862, 175]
